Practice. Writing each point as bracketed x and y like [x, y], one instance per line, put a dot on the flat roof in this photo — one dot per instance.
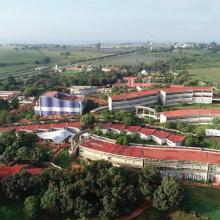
[158, 153]
[132, 95]
[183, 89]
[191, 112]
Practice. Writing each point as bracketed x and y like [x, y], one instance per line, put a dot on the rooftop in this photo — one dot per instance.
[183, 89]
[159, 153]
[133, 95]
[191, 112]
[175, 138]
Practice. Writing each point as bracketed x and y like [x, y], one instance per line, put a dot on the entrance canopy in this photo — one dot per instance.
[56, 136]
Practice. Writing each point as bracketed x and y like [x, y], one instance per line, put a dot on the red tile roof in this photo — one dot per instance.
[161, 134]
[6, 171]
[117, 126]
[182, 155]
[74, 124]
[34, 170]
[183, 89]
[159, 153]
[175, 138]
[191, 112]
[19, 128]
[50, 93]
[133, 95]
[60, 125]
[147, 131]
[112, 148]
[32, 128]
[105, 125]
[45, 126]
[133, 128]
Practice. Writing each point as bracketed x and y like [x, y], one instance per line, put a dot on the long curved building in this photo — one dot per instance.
[57, 103]
[183, 163]
[190, 115]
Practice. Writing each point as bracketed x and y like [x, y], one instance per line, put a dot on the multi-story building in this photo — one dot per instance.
[158, 136]
[189, 95]
[190, 115]
[184, 163]
[9, 94]
[57, 103]
[168, 96]
[132, 99]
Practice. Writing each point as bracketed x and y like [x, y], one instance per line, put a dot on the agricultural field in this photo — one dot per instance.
[20, 62]
[131, 59]
[206, 74]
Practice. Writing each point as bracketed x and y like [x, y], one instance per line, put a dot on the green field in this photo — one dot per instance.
[203, 200]
[71, 72]
[21, 62]
[206, 74]
[131, 59]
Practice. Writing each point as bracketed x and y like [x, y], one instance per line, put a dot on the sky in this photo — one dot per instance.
[90, 21]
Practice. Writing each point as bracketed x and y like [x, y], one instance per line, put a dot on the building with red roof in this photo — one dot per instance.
[74, 125]
[172, 95]
[194, 94]
[132, 129]
[145, 133]
[118, 127]
[184, 163]
[159, 136]
[190, 115]
[174, 140]
[131, 99]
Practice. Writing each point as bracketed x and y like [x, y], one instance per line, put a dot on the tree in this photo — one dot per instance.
[87, 120]
[50, 199]
[4, 105]
[23, 154]
[14, 103]
[31, 207]
[98, 46]
[168, 196]
[20, 185]
[149, 180]
[123, 140]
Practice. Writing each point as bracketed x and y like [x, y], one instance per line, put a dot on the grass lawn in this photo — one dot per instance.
[9, 210]
[205, 201]
[206, 74]
[71, 72]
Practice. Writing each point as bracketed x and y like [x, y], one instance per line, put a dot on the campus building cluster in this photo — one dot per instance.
[168, 96]
[148, 134]
[183, 163]
[74, 126]
[57, 103]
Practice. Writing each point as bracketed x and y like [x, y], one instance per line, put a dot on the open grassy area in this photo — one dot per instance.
[71, 72]
[203, 200]
[131, 59]
[206, 74]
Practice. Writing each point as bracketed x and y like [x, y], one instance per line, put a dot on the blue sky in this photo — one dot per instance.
[85, 21]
